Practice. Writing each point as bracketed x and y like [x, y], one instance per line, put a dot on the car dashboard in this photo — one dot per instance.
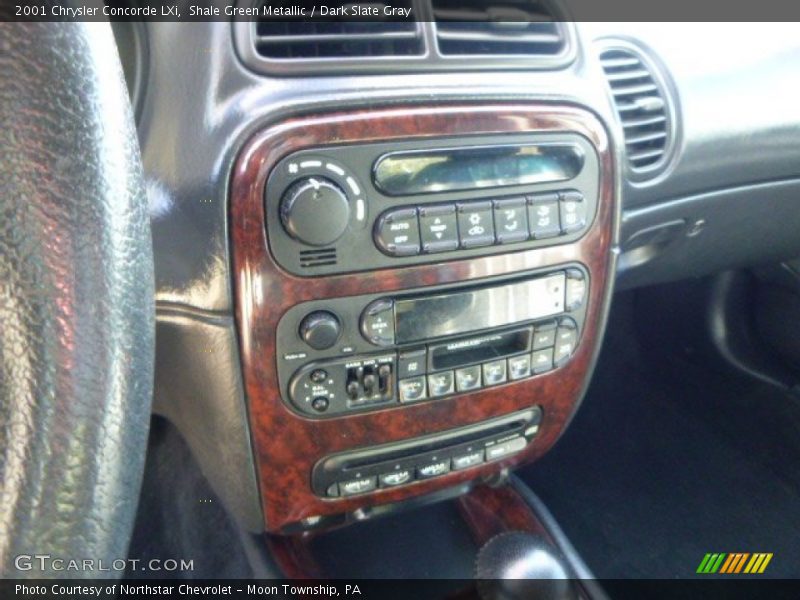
[384, 268]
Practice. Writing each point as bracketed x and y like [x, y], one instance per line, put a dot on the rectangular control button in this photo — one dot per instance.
[438, 229]
[412, 389]
[519, 367]
[573, 211]
[395, 478]
[543, 216]
[468, 378]
[377, 322]
[411, 363]
[398, 233]
[357, 486]
[433, 469]
[510, 220]
[576, 289]
[494, 372]
[505, 449]
[544, 335]
[475, 224]
[566, 340]
[465, 461]
[542, 361]
[440, 384]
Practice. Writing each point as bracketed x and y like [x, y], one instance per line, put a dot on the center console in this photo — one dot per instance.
[420, 296]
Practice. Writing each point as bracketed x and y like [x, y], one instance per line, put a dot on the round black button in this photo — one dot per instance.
[315, 211]
[320, 404]
[318, 375]
[320, 329]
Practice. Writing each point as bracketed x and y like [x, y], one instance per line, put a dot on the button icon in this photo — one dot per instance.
[475, 224]
[511, 220]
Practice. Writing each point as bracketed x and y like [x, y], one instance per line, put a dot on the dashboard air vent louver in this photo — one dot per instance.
[337, 37]
[503, 27]
[642, 105]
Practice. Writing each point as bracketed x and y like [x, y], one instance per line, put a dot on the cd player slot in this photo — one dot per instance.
[399, 463]
[476, 350]
[434, 445]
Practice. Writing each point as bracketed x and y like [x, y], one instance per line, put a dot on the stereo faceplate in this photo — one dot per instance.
[287, 444]
[435, 342]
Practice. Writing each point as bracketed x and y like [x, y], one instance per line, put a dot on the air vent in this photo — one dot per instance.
[317, 258]
[507, 28]
[642, 104]
[437, 35]
[338, 37]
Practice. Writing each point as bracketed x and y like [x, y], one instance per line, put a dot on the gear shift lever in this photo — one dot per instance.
[522, 566]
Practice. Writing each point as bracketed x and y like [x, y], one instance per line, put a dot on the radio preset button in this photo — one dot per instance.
[397, 232]
[566, 340]
[542, 361]
[475, 224]
[440, 384]
[544, 335]
[411, 363]
[519, 367]
[510, 220]
[433, 469]
[573, 211]
[466, 461]
[438, 228]
[395, 478]
[576, 289]
[357, 486]
[494, 372]
[412, 389]
[468, 378]
[543, 216]
[377, 323]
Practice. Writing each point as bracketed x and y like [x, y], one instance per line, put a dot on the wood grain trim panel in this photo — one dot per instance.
[287, 445]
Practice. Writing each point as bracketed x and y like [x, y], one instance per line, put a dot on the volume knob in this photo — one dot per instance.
[320, 329]
[315, 211]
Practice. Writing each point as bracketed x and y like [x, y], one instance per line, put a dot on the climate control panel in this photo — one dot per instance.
[381, 205]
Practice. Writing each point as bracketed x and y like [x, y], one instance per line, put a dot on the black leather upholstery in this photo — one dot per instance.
[76, 298]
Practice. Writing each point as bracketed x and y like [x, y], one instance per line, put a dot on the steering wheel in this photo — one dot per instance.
[76, 302]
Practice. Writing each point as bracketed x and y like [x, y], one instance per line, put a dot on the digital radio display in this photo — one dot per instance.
[454, 169]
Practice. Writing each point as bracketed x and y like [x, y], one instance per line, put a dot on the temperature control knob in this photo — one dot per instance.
[320, 329]
[315, 211]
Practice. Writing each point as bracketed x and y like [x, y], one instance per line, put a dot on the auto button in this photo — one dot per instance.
[397, 233]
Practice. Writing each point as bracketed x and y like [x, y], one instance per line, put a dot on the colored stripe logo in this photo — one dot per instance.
[734, 563]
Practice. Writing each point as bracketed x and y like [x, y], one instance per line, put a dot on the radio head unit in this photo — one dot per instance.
[427, 344]
[344, 208]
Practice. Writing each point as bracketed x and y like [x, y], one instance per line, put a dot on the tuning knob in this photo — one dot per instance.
[320, 329]
[315, 211]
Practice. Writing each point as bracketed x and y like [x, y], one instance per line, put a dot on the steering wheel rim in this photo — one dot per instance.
[76, 301]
